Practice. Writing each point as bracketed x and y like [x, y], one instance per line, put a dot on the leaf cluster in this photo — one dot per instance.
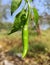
[19, 22]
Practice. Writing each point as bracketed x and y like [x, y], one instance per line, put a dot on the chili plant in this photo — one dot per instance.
[23, 24]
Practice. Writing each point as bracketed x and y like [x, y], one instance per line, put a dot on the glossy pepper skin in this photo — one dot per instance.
[25, 35]
[25, 39]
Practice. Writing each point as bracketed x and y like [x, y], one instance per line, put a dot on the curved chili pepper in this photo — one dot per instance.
[25, 36]
[25, 39]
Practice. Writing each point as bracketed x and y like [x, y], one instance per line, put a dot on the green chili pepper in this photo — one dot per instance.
[25, 39]
[25, 36]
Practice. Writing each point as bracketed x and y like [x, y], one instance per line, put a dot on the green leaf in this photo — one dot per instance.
[36, 15]
[19, 22]
[15, 5]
